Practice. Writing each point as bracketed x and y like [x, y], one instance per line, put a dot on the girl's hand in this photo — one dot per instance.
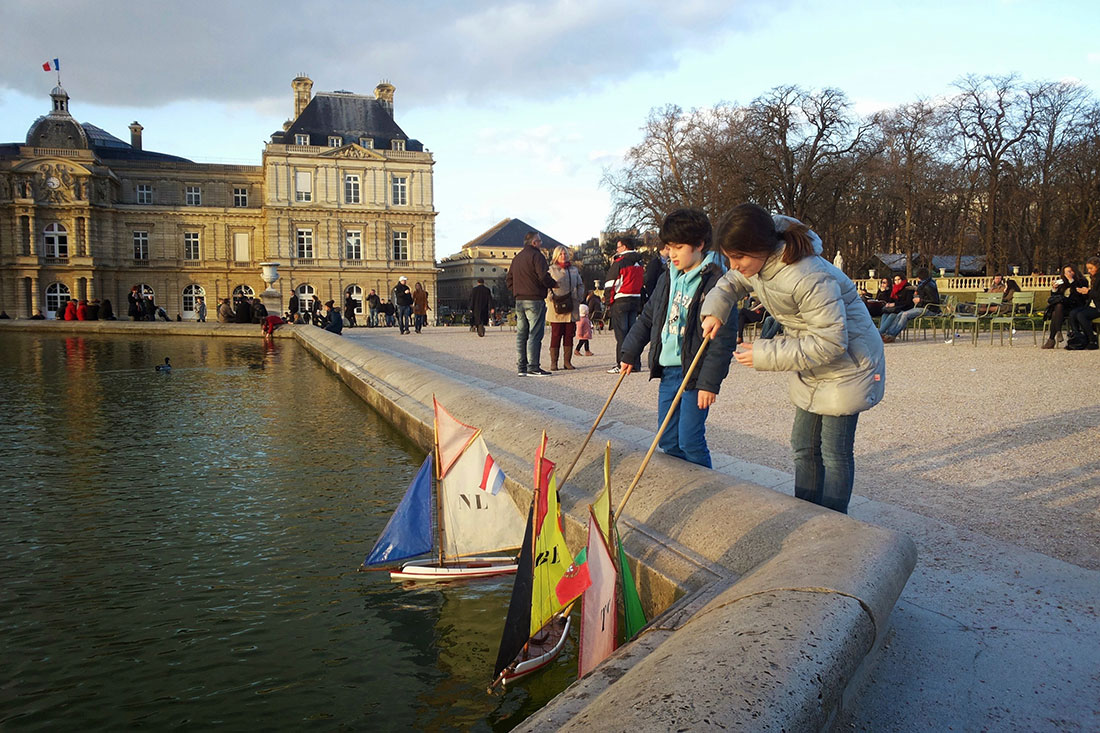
[706, 399]
[626, 368]
[710, 327]
[744, 357]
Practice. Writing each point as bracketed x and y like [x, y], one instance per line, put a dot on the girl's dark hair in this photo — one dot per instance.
[747, 229]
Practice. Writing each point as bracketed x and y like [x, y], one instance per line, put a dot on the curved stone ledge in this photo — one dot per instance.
[147, 328]
[767, 605]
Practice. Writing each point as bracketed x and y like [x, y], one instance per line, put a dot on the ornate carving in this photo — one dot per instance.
[53, 184]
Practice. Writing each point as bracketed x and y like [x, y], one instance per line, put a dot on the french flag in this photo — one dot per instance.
[55, 65]
[492, 478]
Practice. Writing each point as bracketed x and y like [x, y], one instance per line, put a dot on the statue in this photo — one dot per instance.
[838, 261]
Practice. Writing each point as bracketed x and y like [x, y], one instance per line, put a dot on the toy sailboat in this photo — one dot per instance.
[478, 527]
[547, 582]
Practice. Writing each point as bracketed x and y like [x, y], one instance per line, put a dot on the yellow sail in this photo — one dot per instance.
[553, 563]
[601, 508]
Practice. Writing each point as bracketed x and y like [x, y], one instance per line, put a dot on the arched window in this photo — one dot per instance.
[305, 296]
[190, 305]
[57, 296]
[57, 240]
[146, 291]
[242, 291]
[356, 294]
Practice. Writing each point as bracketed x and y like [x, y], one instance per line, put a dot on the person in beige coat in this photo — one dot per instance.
[563, 303]
[829, 342]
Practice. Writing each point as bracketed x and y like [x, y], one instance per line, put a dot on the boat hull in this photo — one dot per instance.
[538, 654]
[471, 567]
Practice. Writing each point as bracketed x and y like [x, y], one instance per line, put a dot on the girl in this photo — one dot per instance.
[1063, 299]
[828, 341]
[584, 332]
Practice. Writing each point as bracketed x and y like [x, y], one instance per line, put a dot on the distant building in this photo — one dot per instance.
[485, 256]
[886, 265]
[342, 200]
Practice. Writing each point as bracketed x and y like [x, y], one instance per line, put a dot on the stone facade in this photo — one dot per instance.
[343, 200]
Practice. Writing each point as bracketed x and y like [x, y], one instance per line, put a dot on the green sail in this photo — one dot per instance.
[633, 614]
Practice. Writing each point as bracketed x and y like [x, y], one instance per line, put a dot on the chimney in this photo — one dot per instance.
[135, 135]
[303, 87]
[384, 93]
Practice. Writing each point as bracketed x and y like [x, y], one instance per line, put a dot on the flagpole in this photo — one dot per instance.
[592, 430]
[661, 430]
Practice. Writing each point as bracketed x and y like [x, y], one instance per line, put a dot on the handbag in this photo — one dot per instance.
[562, 303]
[1056, 298]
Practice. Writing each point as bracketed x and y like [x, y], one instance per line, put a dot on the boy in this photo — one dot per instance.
[670, 324]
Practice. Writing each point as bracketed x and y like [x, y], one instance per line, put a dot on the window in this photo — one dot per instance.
[190, 305]
[334, 141]
[240, 197]
[190, 245]
[301, 139]
[144, 193]
[305, 244]
[141, 245]
[193, 196]
[397, 144]
[367, 142]
[305, 297]
[400, 191]
[303, 186]
[57, 295]
[57, 241]
[351, 189]
[353, 244]
[243, 291]
[241, 251]
[400, 245]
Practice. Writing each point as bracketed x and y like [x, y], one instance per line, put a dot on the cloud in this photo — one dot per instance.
[433, 51]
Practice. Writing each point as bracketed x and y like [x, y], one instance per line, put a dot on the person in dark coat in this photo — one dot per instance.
[658, 265]
[350, 306]
[403, 299]
[259, 311]
[135, 309]
[334, 322]
[315, 311]
[482, 306]
[106, 310]
[244, 311]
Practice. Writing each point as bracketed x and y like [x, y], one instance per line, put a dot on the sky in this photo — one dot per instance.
[524, 105]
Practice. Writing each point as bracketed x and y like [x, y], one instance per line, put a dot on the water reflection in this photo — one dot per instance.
[179, 550]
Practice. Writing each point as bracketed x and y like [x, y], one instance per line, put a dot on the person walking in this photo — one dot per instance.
[563, 306]
[403, 299]
[482, 306]
[420, 307]
[350, 306]
[375, 305]
[200, 310]
[829, 342]
[529, 279]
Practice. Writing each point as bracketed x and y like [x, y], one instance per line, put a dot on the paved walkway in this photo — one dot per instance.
[987, 457]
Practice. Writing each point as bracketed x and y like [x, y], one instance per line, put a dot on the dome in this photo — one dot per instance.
[58, 129]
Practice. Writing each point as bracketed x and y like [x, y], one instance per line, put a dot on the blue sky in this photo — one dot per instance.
[523, 104]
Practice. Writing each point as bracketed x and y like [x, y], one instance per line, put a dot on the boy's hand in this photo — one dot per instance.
[744, 357]
[706, 399]
[710, 327]
[626, 368]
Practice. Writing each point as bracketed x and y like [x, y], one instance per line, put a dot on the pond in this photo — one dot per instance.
[180, 551]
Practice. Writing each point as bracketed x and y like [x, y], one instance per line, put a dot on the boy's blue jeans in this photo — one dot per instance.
[686, 435]
[824, 462]
[530, 324]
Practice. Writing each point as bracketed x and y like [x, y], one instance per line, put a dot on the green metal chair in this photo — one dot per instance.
[948, 303]
[985, 308]
[1016, 314]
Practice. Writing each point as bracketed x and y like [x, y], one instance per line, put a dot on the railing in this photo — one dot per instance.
[140, 263]
[47, 260]
[973, 284]
[302, 261]
[353, 263]
[60, 152]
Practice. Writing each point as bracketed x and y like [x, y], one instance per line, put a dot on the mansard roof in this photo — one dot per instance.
[510, 233]
[351, 116]
[107, 146]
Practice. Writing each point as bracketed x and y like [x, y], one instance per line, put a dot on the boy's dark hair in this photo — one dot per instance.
[923, 274]
[686, 226]
[628, 241]
[1094, 261]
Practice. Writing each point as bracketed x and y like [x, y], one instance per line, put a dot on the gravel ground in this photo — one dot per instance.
[1004, 441]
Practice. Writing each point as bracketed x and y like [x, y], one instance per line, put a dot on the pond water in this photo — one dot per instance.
[180, 551]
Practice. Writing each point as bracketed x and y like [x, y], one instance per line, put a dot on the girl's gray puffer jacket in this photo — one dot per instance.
[828, 339]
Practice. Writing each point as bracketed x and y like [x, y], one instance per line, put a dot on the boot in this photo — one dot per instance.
[569, 359]
[554, 350]
[577, 351]
[1048, 345]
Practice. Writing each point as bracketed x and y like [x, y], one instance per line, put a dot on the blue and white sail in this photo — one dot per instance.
[409, 531]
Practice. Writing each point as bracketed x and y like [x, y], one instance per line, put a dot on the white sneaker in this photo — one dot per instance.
[614, 370]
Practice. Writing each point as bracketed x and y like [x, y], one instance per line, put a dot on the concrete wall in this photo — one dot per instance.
[766, 606]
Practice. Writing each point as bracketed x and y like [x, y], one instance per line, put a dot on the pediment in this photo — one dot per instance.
[51, 166]
[352, 150]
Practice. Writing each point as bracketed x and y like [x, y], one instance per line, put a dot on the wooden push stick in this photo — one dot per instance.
[565, 476]
[661, 430]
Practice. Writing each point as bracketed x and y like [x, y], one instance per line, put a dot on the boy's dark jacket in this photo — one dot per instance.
[647, 330]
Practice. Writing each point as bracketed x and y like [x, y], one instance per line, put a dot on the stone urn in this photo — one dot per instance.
[271, 298]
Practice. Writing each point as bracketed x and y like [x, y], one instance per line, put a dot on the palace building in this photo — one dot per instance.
[342, 200]
[486, 256]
